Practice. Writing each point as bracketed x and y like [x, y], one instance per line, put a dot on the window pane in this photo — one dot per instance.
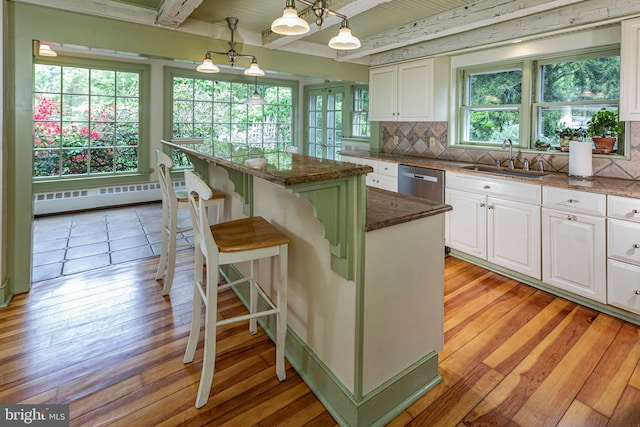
[103, 82]
[47, 78]
[496, 88]
[75, 80]
[556, 118]
[493, 126]
[595, 79]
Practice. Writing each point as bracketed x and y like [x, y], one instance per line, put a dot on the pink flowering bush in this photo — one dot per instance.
[81, 146]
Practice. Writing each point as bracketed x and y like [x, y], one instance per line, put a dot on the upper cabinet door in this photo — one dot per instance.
[415, 91]
[383, 91]
[630, 71]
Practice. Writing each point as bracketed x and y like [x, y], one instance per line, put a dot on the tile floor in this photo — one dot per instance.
[75, 242]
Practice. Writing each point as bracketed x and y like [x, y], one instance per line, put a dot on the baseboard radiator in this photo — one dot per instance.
[94, 198]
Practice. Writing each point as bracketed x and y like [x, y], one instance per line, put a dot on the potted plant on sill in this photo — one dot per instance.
[568, 134]
[604, 127]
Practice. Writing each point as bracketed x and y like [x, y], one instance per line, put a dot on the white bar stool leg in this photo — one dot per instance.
[281, 317]
[253, 297]
[163, 254]
[171, 267]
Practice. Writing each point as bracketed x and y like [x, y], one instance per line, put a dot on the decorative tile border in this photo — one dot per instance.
[413, 140]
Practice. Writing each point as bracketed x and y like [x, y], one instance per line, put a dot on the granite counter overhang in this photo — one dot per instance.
[386, 208]
[383, 209]
[609, 186]
[283, 168]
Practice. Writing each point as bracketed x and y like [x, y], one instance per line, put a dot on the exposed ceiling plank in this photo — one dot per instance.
[477, 15]
[572, 17]
[172, 13]
[349, 8]
[105, 9]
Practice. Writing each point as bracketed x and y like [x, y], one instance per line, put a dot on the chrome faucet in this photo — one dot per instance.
[510, 158]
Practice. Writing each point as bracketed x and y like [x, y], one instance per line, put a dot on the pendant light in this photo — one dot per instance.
[344, 40]
[208, 66]
[290, 24]
[255, 99]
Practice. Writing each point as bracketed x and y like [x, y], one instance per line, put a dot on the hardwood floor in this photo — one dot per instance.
[108, 344]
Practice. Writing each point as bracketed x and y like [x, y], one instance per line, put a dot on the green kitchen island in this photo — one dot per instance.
[365, 276]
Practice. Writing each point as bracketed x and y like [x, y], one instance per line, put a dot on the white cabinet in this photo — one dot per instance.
[409, 91]
[573, 242]
[630, 70]
[623, 248]
[496, 220]
[384, 175]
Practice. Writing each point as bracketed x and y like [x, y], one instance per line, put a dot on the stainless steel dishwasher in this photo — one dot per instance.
[421, 182]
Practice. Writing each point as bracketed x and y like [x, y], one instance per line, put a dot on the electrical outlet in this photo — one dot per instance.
[432, 141]
[395, 139]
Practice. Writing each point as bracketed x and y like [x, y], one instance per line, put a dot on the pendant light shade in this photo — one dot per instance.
[254, 69]
[290, 24]
[45, 50]
[207, 65]
[255, 99]
[344, 40]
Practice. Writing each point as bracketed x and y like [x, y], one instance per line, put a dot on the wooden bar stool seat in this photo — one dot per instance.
[247, 239]
[172, 201]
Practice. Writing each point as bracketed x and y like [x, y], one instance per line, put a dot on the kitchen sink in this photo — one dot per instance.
[509, 172]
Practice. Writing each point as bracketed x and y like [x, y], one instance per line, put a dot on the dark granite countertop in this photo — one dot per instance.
[612, 186]
[282, 168]
[386, 208]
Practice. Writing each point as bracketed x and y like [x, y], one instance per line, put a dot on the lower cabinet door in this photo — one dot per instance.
[573, 253]
[465, 225]
[623, 286]
[513, 236]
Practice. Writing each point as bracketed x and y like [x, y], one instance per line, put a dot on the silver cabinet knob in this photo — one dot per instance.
[486, 187]
[571, 217]
[637, 292]
[573, 201]
[636, 246]
[635, 211]
[482, 205]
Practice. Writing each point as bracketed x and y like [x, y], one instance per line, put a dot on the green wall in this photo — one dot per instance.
[26, 23]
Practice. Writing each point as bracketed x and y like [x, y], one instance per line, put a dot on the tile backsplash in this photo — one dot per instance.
[413, 138]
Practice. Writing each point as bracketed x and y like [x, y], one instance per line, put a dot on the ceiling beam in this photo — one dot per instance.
[113, 10]
[348, 8]
[466, 18]
[172, 13]
[569, 18]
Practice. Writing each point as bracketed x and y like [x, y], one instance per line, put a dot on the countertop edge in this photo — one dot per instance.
[421, 208]
[602, 185]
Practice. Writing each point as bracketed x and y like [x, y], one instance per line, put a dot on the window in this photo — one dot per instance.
[87, 119]
[334, 111]
[537, 98]
[492, 106]
[215, 110]
[360, 125]
[571, 92]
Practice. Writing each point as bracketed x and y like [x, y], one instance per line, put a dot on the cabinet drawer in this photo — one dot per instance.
[578, 201]
[624, 240]
[623, 285]
[386, 168]
[624, 208]
[516, 191]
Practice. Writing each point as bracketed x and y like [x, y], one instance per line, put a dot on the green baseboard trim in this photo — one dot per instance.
[5, 294]
[604, 308]
[376, 408]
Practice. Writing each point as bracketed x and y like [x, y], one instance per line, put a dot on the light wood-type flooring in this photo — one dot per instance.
[106, 343]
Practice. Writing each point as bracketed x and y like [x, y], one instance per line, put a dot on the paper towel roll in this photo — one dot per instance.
[580, 163]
